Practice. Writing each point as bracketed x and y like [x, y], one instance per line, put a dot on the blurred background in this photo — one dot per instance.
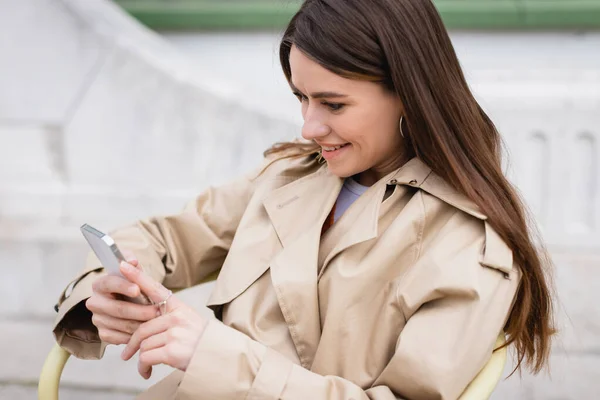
[113, 111]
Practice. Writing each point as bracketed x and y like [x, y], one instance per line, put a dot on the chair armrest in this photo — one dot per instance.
[485, 382]
[51, 372]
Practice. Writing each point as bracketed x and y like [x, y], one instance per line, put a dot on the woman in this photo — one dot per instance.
[379, 259]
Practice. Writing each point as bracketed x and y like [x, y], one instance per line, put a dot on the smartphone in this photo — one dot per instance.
[109, 255]
[105, 249]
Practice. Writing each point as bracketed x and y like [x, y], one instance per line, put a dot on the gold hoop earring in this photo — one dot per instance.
[401, 120]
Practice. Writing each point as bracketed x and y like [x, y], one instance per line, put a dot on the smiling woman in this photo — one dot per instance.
[379, 258]
[403, 49]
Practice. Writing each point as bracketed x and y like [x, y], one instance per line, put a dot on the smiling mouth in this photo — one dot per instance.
[333, 152]
[334, 148]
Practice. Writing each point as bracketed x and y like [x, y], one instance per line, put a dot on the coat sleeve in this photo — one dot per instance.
[452, 325]
[179, 250]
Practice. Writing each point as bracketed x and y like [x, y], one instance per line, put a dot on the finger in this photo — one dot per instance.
[111, 284]
[144, 369]
[116, 324]
[150, 358]
[120, 309]
[151, 288]
[150, 344]
[154, 342]
[130, 257]
[113, 337]
[146, 330]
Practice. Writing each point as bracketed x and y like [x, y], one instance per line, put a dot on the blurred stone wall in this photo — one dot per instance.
[104, 122]
[101, 122]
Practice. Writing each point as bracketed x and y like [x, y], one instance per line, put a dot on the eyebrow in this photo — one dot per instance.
[319, 95]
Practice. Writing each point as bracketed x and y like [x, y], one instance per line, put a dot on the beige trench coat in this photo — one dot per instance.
[403, 297]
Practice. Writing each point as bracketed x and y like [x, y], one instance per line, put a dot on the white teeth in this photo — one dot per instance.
[332, 148]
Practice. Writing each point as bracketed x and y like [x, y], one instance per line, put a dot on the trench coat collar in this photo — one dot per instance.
[417, 174]
[313, 196]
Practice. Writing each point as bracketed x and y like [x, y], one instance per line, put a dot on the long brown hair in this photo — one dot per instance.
[404, 45]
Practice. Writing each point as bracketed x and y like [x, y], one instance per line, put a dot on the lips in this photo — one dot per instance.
[333, 152]
[333, 148]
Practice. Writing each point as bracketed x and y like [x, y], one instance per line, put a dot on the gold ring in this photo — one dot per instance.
[163, 304]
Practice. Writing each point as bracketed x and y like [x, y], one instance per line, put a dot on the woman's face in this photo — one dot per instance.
[360, 116]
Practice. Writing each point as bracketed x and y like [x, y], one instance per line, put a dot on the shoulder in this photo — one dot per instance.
[455, 227]
[460, 255]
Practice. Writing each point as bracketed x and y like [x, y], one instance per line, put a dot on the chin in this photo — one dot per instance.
[340, 171]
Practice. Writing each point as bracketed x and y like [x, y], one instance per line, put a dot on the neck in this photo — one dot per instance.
[367, 178]
[374, 174]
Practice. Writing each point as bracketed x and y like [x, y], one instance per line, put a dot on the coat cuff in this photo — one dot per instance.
[73, 329]
[228, 364]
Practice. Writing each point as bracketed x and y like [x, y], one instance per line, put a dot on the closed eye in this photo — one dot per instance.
[333, 106]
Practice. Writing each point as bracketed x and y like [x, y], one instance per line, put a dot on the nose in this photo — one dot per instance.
[314, 128]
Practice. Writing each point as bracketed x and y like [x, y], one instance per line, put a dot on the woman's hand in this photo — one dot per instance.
[168, 339]
[116, 319]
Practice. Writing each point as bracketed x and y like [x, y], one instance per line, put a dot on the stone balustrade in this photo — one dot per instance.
[104, 122]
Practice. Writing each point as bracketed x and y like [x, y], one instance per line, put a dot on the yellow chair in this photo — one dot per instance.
[480, 388]
[51, 372]
[487, 379]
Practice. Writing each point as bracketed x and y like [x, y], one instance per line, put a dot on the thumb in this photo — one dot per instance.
[154, 290]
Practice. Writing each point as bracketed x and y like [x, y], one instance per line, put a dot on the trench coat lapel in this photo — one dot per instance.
[358, 224]
[297, 212]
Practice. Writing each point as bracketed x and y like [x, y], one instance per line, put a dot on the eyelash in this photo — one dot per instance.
[332, 106]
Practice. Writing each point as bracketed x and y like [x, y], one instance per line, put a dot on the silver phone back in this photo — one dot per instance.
[104, 247]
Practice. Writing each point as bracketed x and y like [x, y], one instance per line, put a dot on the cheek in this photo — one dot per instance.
[355, 127]
[376, 135]
[365, 128]
[384, 122]
[388, 137]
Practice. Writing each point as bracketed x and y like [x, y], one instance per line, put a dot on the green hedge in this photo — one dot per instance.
[274, 14]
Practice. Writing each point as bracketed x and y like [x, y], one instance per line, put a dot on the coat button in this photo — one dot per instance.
[393, 182]
[56, 307]
[413, 182]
